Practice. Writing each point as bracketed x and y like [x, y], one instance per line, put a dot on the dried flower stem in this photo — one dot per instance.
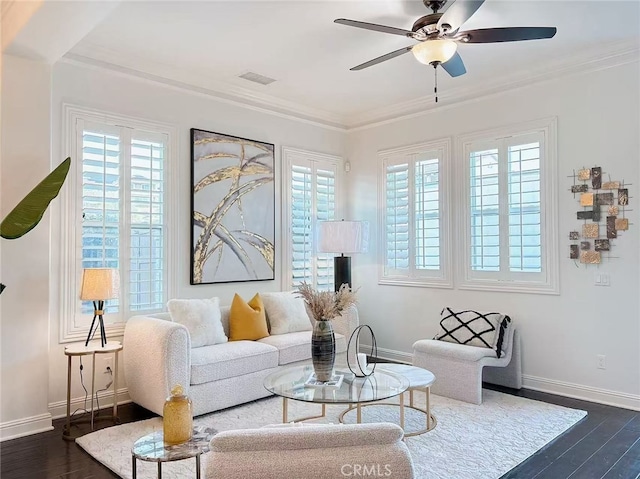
[326, 305]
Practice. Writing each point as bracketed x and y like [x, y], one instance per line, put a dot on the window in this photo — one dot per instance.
[116, 203]
[312, 186]
[509, 199]
[415, 231]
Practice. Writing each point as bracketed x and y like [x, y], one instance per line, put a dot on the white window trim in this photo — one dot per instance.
[444, 279]
[549, 213]
[69, 273]
[289, 155]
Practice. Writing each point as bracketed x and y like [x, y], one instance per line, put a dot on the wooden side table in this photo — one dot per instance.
[93, 349]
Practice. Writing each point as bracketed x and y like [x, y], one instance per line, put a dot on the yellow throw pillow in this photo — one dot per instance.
[247, 320]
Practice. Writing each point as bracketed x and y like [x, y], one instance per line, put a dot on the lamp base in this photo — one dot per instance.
[97, 314]
[341, 271]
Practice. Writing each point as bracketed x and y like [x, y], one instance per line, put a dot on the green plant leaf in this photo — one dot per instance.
[28, 213]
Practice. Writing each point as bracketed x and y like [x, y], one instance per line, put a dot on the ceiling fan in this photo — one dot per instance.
[439, 35]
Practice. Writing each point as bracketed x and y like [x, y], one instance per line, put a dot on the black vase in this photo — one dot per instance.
[323, 350]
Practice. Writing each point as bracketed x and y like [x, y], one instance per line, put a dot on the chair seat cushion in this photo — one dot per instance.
[235, 358]
[295, 347]
[461, 352]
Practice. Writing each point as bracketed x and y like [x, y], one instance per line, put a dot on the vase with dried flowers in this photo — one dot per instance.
[324, 306]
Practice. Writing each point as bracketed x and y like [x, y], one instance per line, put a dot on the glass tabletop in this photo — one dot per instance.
[152, 447]
[290, 381]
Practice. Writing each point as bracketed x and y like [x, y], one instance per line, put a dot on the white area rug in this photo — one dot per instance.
[469, 442]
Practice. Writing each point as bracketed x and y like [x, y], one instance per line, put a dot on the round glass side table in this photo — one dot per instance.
[152, 448]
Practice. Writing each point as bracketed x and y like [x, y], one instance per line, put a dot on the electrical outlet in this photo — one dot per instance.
[602, 361]
[107, 362]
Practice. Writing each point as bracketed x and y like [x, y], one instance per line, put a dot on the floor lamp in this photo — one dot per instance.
[343, 237]
[99, 284]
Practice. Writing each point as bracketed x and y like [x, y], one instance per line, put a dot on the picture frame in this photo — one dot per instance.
[232, 209]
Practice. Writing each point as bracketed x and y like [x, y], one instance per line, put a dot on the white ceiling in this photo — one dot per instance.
[209, 44]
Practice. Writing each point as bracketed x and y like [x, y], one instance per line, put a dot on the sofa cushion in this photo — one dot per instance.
[485, 330]
[294, 347]
[247, 320]
[202, 319]
[221, 361]
[286, 313]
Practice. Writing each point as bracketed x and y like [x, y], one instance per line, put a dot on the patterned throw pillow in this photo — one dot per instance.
[485, 330]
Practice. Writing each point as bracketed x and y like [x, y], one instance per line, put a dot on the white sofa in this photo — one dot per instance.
[158, 355]
[312, 451]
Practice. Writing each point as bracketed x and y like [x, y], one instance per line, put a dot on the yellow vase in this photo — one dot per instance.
[177, 416]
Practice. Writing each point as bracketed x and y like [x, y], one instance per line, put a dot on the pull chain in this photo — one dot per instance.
[435, 88]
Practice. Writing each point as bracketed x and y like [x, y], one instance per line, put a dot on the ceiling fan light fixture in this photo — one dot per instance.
[431, 51]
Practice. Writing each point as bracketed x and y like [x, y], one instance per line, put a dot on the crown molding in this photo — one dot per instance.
[608, 56]
[611, 55]
[190, 81]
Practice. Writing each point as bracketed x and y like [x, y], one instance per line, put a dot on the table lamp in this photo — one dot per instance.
[99, 284]
[344, 237]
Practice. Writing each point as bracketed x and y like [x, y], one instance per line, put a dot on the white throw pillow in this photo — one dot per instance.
[286, 312]
[202, 319]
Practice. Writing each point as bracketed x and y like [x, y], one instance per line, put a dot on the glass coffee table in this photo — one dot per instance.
[289, 383]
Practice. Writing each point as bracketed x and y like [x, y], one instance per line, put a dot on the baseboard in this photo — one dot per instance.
[388, 354]
[551, 386]
[25, 426]
[58, 409]
[586, 393]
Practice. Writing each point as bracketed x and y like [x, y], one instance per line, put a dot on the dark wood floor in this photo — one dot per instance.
[605, 444]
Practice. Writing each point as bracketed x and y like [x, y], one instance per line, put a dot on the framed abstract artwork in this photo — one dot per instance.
[232, 209]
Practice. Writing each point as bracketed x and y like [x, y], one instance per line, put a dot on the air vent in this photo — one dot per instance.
[257, 78]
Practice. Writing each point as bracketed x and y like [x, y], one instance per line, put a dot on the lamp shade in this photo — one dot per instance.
[431, 51]
[99, 284]
[344, 237]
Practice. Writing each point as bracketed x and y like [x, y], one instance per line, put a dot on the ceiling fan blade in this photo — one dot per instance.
[508, 34]
[454, 66]
[374, 26]
[458, 13]
[381, 59]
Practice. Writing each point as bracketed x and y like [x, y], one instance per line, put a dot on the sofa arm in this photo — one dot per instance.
[330, 451]
[157, 356]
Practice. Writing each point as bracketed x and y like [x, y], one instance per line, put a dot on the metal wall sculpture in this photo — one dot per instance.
[603, 202]
[232, 209]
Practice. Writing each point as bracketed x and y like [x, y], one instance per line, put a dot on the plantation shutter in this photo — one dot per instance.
[525, 240]
[101, 202]
[397, 218]
[123, 220]
[412, 217]
[427, 214]
[146, 257]
[506, 208]
[301, 225]
[485, 213]
[313, 199]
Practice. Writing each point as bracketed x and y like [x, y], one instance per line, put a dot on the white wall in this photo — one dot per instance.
[24, 262]
[598, 124]
[126, 95]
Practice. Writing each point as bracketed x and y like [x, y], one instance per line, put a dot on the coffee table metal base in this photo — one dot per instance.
[285, 413]
[431, 421]
[419, 380]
